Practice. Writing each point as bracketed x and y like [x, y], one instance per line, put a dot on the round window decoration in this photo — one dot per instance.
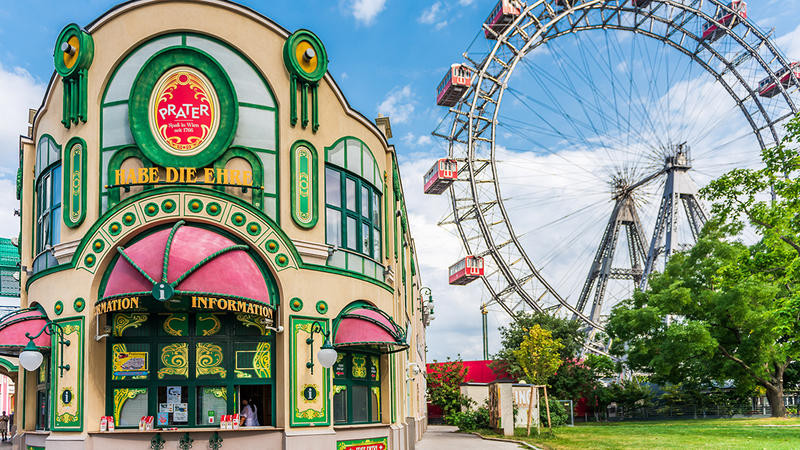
[183, 109]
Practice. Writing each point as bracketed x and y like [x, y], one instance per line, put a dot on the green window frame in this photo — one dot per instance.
[354, 207]
[357, 388]
[184, 350]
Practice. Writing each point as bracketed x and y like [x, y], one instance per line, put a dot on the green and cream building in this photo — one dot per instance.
[201, 211]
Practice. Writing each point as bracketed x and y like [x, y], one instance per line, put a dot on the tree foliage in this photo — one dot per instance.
[725, 310]
[538, 355]
[567, 332]
[444, 386]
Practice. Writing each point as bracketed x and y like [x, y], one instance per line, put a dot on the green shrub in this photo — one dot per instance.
[558, 414]
[469, 420]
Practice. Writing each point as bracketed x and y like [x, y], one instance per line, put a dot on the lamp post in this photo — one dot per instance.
[327, 354]
[426, 306]
[31, 358]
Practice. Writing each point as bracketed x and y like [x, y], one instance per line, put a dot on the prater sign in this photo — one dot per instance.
[184, 111]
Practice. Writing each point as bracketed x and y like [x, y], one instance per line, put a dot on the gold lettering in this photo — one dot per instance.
[222, 175]
[247, 178]
[222, 303]
[172, 174]
[204, 302]
[191, 175]
[135, 301]
[119, 177]
[250, 308]
[126, 303]
[130, 176]
[235, 177]
[211, 301]
[208, 175]
[194, 302]
[154, 175]
[142, 175]
[241, 306]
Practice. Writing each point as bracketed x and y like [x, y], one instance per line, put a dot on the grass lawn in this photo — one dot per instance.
[710, 433]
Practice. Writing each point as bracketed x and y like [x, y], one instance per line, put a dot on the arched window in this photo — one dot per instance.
[353, 191]
[48, 202]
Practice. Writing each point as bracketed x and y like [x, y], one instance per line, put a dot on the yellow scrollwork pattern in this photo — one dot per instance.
[175, 360]
[261, 360]
[180, 327]
[209, 329]
[123, 395]
[209, 360]
[359, 366]
[250, 320]
[376, 364]
[124, 321]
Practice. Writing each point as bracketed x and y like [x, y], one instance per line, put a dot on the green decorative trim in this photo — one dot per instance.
[215, 441]
[305, 415]
[272, 246]
[8, 365]
[79, 304]
[254, 228]
[85, 53]
[213, 209]
[58, 307]
[282, 260]
[62, 420]
[74, 187]
[168, 205]
[129, 219]
[89, 260]
[98, 245]
[114, 228]
[195, 205]
[238, 219]
[157, 442]
[142, 89]
[294, 66]
[151, 209]
[296, 304]
[116, 164]
[322, 307]
[73, 71]
[350, 274]
[304, 184]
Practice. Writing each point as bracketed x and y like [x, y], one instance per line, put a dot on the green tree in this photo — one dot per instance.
[724, 310]
[565, 331]
[444, 386]
[538, 355]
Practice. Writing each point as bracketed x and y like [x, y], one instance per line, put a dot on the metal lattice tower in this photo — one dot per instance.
[678, 188]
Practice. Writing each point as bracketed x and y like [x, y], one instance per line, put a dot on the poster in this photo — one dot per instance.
[173, 394]
[162, 419]
[181, 413]
[166, 407]
[130, 364]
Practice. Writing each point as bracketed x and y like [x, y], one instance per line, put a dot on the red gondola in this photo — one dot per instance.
[712, 31]
[501, 17]
[466, 270]
[441, 176]
[453, 85]
[768, 87]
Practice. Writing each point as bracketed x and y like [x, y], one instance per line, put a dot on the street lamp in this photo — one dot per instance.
[327, 354]
[31, 358]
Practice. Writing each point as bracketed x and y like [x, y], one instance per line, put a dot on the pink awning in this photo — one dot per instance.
[198, 262]
[13, 327]
[368, 326]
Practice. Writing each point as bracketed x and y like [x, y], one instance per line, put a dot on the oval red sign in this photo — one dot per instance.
[184, 111]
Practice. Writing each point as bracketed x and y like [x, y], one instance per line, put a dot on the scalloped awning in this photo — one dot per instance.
[367, 326]
[14, 325]
[192, 261]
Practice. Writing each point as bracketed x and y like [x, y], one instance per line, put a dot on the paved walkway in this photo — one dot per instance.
[445, 437]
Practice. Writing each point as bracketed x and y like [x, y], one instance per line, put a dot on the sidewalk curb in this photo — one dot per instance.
[505, 440]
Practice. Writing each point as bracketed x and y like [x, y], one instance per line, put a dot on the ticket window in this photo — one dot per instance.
[261, 397]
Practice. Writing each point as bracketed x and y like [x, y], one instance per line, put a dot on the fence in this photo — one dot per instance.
[684, 412]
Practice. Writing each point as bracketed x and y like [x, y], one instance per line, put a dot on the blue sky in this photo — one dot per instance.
[386, 55]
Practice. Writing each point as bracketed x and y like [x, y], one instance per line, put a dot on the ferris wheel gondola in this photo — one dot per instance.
[577, 111]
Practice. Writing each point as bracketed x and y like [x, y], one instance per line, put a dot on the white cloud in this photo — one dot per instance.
[365, 11]
[465, 2]
[430, 15]
[790, 43]
[398, 104]
[19, 92]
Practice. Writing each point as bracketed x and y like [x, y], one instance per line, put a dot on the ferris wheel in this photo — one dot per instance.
[579, 131]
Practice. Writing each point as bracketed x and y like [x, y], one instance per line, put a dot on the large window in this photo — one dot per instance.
[353, 208]
[356, 388]
[48, 202]
[188, 369]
